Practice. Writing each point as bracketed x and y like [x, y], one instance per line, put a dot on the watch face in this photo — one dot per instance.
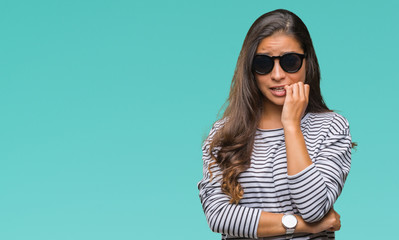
[289, 221]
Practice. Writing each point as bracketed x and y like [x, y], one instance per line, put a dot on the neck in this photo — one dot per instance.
[271, 116]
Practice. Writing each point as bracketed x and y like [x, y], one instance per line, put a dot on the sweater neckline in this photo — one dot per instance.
[278, 130]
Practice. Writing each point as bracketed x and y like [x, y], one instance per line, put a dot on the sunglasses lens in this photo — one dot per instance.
[262, 64]
[291, 62]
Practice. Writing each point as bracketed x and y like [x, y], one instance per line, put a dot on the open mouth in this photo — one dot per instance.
[278, 89]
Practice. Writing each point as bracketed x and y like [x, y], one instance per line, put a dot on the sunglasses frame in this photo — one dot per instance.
[300, 55]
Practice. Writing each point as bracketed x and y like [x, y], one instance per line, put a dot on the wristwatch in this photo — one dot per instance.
[289, 222]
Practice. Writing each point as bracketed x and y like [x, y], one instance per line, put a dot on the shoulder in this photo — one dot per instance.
[334, 122]
[219, 123]
[215, 128]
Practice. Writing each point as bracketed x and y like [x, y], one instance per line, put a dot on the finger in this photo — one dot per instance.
[336, 227]
[301, 91]
[295, 91]
[288, 92]
[333, 229]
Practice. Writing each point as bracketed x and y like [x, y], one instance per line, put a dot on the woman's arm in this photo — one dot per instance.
[240, 221]
[221, 215]
[314, 185]
[270, 224]
[296, 101]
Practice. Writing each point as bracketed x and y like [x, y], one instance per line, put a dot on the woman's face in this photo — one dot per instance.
[277, 45]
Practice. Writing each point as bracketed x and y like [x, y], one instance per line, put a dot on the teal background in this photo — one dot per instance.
[104, 105]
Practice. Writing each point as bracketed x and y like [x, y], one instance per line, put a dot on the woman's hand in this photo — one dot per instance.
[330, 222]
[296, 101]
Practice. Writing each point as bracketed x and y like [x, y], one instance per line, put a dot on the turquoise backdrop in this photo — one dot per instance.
[104, 105]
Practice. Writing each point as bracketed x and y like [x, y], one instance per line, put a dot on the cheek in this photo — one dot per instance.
[303, 78]
[298, 77]
[301, 75]
[258, 81]
[261, 82]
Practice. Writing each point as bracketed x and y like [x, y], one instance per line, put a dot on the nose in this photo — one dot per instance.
[277, 73]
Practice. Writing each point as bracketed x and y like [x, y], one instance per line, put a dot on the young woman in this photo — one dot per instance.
[276, 162]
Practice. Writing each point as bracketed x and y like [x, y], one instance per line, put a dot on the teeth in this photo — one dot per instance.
[278, 89]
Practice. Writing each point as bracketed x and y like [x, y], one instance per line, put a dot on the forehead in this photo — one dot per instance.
[278, 44]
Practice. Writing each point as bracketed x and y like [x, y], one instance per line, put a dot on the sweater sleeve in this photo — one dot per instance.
[222, 216]
[315, 189]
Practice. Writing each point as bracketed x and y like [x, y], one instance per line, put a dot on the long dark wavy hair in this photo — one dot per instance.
[244, 105]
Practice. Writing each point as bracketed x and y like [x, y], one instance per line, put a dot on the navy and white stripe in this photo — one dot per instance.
[267, 187]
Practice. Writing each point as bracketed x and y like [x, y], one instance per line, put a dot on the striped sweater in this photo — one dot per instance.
[267, 187]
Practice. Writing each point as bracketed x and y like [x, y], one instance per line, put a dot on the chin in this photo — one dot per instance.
[278, 102]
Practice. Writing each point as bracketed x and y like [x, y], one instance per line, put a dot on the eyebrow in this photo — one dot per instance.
[283, 53]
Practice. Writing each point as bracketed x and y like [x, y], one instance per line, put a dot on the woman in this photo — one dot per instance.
[276, 162]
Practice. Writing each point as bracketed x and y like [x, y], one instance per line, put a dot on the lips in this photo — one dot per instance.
[278, 91]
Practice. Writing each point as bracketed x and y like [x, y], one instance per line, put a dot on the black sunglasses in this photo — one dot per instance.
[289, 62]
